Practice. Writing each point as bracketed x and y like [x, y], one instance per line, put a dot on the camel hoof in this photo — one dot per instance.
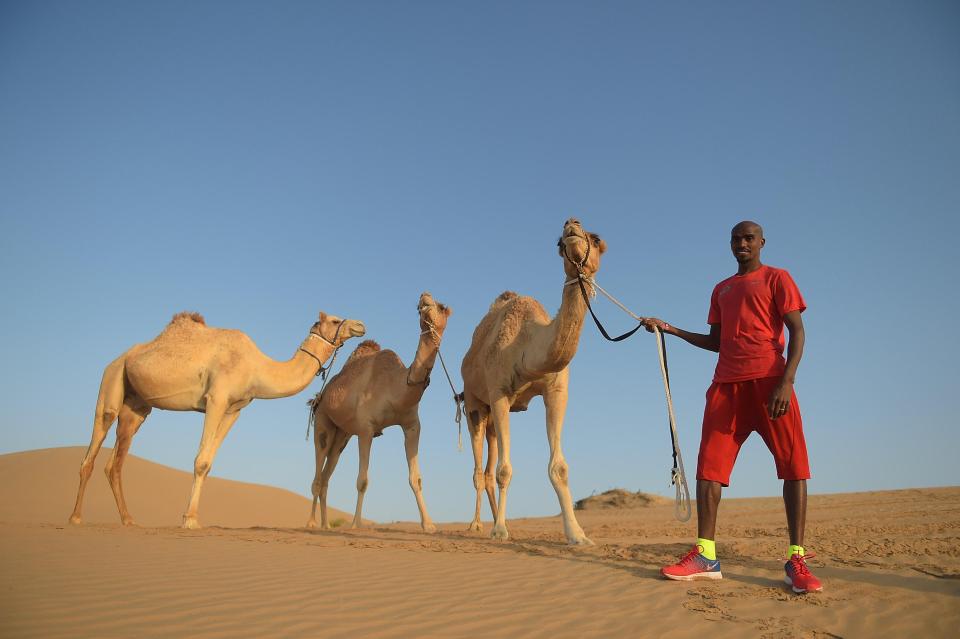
[191, 523]
[75, 520]
[312, 523]
[500, 532]
[475, 526]
[429, 528]
[583, 540]
[128, 522]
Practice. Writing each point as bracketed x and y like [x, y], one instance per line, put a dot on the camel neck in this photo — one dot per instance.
[419, 370]
[282, 379]
[556, 343]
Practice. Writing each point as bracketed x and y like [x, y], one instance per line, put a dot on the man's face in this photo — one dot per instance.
[746, 240]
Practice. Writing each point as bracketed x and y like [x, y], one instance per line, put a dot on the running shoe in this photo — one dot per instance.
[693, 566]
[799, 576]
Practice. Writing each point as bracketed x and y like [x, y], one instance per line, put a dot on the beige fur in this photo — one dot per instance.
[191, 366]
[518, 353]
[373, 391]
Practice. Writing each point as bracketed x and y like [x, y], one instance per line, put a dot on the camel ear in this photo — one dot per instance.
[600, 244]
[447, 311]
[323, 316]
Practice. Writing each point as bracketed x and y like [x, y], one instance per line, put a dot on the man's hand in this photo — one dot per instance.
[779, 402]
[650, 322]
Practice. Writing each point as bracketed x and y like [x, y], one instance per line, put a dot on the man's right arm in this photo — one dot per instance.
[710, 342]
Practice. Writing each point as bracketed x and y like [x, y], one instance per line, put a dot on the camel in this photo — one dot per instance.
[193, 367]
[518, 353]
[373, 391]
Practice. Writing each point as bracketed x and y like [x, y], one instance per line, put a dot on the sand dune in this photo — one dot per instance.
[890, 562]
[40, 486]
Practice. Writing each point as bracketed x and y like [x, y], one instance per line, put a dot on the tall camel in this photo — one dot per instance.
[517, 353]
[191, 366]
[375, 390]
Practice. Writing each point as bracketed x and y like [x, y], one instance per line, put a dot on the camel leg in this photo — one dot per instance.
[131, 418]
[213, 421]
[556, 406]
[477, 423]
[324, 434]
[500, 411]
[341, 441]
[411, 444]
[489, 477]
[362, 481]
[108, 407]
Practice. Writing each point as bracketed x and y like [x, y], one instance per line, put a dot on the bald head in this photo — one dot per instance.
[747, 226]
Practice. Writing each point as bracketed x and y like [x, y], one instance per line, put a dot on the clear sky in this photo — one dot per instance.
[258, 162]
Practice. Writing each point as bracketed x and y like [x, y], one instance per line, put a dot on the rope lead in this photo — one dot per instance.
[682, 509]
[678, 478]
[457, 400]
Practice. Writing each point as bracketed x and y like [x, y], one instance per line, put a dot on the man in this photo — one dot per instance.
[752, 390]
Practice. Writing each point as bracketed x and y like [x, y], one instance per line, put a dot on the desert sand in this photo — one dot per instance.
[890, 562]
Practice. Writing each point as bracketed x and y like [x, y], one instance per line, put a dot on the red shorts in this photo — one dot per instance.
[736, 409]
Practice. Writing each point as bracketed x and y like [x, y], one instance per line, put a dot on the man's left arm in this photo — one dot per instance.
[779, 401]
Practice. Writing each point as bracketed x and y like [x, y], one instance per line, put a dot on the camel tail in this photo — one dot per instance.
[314, 405]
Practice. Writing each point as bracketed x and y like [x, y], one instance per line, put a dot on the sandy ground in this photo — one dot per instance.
[890, 562]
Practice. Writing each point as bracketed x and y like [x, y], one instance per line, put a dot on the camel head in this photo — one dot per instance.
[433, 314]
[336, 331]
[579, 249]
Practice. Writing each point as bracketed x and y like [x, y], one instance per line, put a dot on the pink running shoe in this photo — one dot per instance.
[799, 576]
[693, 566]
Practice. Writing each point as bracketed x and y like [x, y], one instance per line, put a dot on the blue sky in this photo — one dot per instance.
[259, 162]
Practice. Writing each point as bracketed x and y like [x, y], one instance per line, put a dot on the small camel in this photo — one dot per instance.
[375, 390]
[517, 353]
[191, 366]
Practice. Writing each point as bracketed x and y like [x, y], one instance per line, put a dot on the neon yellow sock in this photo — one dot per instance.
[794, 550]
[707, 548]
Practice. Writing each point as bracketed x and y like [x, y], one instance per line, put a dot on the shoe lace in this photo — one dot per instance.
[690, 556]
[799, 563]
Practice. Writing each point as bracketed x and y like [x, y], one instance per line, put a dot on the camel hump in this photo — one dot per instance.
[364, 348]
[184, 317]
[503, 298]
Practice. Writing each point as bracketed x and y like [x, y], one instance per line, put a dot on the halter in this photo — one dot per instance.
[457, 397]
[324, 372]
[336, 347]
[578, 265]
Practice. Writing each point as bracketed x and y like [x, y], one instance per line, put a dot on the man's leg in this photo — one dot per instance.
[784, 438]
[795, 502]
[708, 501]
[701, 562]
[719, 444]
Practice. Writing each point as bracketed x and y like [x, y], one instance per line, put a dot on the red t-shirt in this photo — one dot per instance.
[749, 309]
